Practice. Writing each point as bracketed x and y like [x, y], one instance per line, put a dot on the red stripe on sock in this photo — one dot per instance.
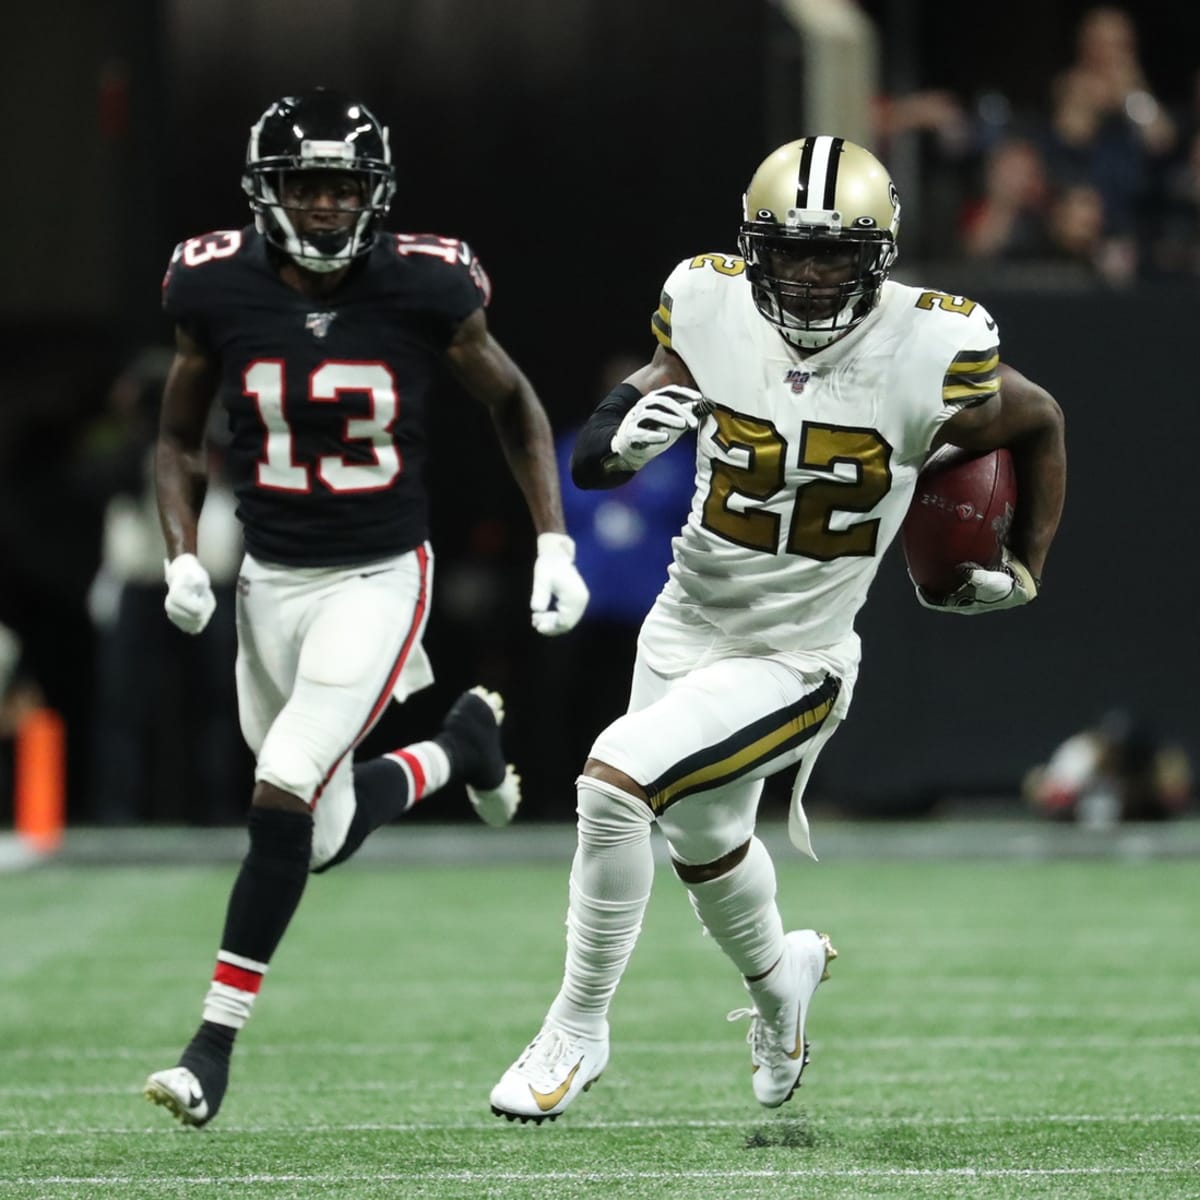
[418, 773]
[237, 977]
[418, 623]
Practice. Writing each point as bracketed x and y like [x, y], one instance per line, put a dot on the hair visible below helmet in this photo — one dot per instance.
[318, 131]
[818, 192]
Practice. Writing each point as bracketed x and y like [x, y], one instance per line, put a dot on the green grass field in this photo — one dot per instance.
[992, 1029]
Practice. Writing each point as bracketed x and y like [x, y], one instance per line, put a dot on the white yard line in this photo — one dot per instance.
[486, 1177]
[1169, 1041]
[494, 1125]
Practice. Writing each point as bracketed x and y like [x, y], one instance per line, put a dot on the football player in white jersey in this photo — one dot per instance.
[816, 389]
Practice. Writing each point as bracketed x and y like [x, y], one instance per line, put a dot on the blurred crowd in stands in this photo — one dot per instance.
[1100, 187]
[1102, 182]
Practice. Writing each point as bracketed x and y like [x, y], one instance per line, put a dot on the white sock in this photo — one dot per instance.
[427, 768]
[611, 878]
[738, 909]
[233, 990]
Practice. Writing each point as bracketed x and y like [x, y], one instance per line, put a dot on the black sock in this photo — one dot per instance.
[207, 1057]
[380, 795]
[268, 888]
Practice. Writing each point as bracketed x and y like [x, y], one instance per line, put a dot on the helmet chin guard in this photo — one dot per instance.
[318, 131]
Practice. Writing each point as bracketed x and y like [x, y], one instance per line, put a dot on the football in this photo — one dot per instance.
[961, 512]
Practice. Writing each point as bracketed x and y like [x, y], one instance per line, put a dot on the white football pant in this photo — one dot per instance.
[321, 650]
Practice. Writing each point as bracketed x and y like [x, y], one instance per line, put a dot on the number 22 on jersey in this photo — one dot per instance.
[264, 382]
[863, 453]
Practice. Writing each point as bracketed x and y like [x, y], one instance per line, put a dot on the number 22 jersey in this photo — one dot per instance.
[805, 465]
[326, 398]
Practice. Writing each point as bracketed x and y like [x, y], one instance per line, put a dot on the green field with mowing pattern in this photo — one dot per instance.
[994, 1027]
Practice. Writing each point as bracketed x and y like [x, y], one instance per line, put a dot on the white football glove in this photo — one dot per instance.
[555, 579]
[190, 601]
[987, 591]
[654, 424]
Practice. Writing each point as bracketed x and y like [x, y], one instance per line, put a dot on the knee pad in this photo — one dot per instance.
[703, 828]
[608, 816]
[280, 840]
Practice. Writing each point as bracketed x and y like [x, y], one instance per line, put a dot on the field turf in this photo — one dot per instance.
[991, 1029]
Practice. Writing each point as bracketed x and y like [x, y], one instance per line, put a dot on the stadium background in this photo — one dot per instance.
[582, 152]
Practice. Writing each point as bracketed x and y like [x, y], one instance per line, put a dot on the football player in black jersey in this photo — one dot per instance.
[320, 332]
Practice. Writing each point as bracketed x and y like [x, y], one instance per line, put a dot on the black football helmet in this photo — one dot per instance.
[319, 131]
[818, 199]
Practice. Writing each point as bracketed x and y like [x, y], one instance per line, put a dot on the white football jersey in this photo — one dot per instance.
[805, 465]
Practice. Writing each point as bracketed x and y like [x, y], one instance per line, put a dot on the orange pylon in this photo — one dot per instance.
[39, 784]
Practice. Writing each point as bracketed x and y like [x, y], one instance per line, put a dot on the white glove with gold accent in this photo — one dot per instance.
[556, 580]
[987, 591]
[190, 601]
[654, 424]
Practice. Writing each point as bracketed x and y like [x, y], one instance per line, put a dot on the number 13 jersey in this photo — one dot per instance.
[326, 398]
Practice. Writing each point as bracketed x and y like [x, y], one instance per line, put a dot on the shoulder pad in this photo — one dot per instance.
[188, 260]
[452, 252]
[969, 341]
[692, 280]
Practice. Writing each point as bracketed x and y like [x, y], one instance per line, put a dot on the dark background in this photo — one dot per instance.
[583, 148]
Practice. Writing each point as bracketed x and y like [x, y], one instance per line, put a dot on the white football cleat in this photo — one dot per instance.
[778, 1047]
[499, 805]
[178, 1090]
[552, 1070]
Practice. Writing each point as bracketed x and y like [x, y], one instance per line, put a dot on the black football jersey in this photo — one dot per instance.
[326, 398]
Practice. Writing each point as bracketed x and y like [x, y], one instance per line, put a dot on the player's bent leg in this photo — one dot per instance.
[467, 748]
[611, 877]
[734, 896]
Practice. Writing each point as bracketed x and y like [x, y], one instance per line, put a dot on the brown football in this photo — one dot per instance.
[961, 512]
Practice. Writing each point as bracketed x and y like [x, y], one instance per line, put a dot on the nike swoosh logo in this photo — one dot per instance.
[547, 1100]
[368, 574]
[989, 323]
[799, 1050]
[194, 1099]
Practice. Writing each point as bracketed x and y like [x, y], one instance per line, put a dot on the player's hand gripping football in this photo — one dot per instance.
[654, 424]
[190, 601]
[987, 591]
[557, 582]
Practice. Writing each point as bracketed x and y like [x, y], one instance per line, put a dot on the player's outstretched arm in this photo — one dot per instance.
[1027, 419]
[523, 428]
[181, 475]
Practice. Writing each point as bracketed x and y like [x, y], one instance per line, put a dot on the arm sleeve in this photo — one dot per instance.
[593, 445]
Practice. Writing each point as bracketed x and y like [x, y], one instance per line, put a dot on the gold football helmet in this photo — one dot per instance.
[818, 234]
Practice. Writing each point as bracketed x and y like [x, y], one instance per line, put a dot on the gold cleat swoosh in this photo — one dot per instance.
[830, 953]
[547, 1100]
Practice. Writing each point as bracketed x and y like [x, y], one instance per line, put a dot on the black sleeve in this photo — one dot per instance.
[594, 442]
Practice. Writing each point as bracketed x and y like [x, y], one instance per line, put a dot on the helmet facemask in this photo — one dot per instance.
[323, 250]
[813, 288]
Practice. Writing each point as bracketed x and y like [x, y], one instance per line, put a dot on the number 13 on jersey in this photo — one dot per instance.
[264, 382]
